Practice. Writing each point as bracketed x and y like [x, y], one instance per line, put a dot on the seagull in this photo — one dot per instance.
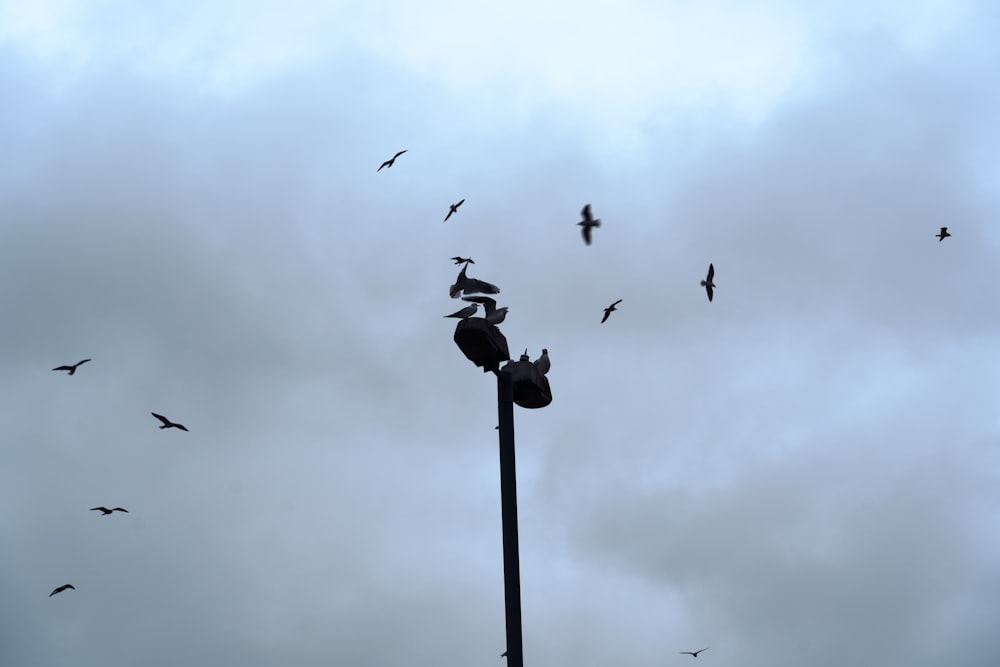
[71, 369]
[493, 314]
[463, 260]
[167, 423]
[391, 161]
[60, 589]
[610, 309]
[587, 222]
[941, 236]
[542, 363]
[694, 653]
[105, 511]
[453, 208]
[707, 282]
[471, 285]
[466, 312]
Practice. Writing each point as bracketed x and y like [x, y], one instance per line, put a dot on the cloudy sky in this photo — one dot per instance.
[805, 471]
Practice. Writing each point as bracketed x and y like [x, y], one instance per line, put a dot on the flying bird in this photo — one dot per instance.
[462, 314]
[463, 260]
[941, 236]
[167, 423]
[453, 208]
[610, 309]
[542, 363]
[707, 282]
[391, 161]
[694, 653]
[493, 314]
[71, 369]
[105, 511]
[587, 222]
[471, 285]
[60, 589]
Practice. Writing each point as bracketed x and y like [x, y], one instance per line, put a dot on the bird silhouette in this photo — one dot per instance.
[105, 511]
[941, 236]
[453, 208]
[493, 314]
[60, 589]
[471, 285]
[391, 161]
[587, 222]
[504, 654]
[542, 363]
[71, 369]
[468, 311]
[707, 282]
[463, 260]
[167, 423]
[694, 653]
[610, 309]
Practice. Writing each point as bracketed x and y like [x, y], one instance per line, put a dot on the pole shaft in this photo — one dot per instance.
[508, 507]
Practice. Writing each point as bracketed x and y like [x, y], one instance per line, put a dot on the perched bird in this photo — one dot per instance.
[694, 653]
[542, 363]
[941, 236]
[463, 260]
[610, 309]
[587, 222]
[167, 423]
[493, 314]
[468, 311]
[71, 369]
[105, 511]
[453, 208]
[471, 285]
[391, 161]
[60, 589]
[707, 282]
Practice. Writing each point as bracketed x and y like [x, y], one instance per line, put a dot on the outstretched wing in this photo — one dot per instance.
[119, 509]
[490, 303]
[63, 368]
[166, 422]
[586, 234]
[711, 272]
[398, 154]
[82, 362]
[102, 509]
[586, 213]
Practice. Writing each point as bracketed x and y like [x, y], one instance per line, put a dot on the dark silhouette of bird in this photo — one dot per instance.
[71, 369]
[471, 285]
[391, 161]
[463, 260]
[468, 311]
[453, 208]
[587, 222]
[105, 511]
[707, 282]
[610, 309]
[694, 653]
[60, 589]
[941, 236]
[542, 363]
[167, 423]
[493, 314]
[504, 654]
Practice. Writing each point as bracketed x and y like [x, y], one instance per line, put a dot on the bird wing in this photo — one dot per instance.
[488, 302]
[459, 203]
[474, 285]
[384, 164]
[398, 154]
[63, 368]
[616, 302]
[607, 314]
[103, 509]
[586, 234]
[450, 211]
[708, 288]
[120, 509]
[82, 361]
[586, 213]
[166, 422]
[180, 426]
[711, 272]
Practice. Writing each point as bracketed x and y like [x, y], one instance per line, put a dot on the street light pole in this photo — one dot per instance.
[508, 509]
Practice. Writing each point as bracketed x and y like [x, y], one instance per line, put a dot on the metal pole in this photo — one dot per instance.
[508, 508]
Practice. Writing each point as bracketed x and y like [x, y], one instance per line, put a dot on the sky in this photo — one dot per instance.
[805, 470]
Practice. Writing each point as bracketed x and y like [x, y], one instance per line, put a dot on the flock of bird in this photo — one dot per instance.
[164, 423]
